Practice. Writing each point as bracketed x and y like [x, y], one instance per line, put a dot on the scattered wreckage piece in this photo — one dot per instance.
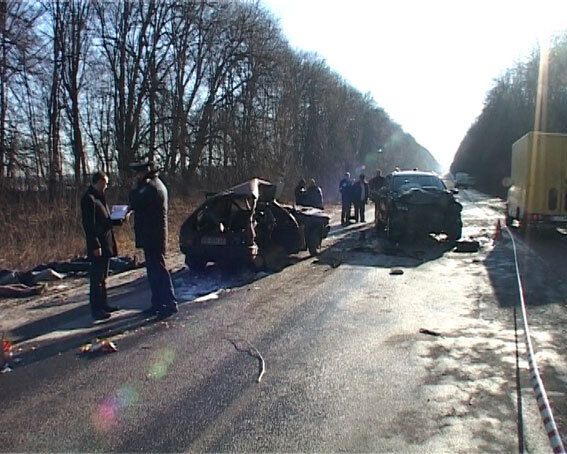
[17, 284]
[467, 246]
[252, 351]
[246, 224]
[396, 272]
[7, 352]
[21, 290]
[429, 332]
[98, 346]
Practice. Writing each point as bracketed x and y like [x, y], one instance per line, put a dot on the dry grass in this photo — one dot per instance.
[34, 230]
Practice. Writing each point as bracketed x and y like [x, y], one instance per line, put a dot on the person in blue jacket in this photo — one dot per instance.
[345, 186]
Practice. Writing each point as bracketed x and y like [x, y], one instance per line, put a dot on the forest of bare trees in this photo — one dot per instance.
[208, 89]
[509, 113]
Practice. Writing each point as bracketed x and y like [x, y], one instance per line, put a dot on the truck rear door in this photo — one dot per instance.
[553, 178]
[562, 145]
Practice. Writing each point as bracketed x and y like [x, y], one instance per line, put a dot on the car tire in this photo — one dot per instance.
[258, 263]
[380, 226]
[195, 264]
[455, 232]
[393, 235]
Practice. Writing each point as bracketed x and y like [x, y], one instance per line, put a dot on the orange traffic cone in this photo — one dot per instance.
[498, 232]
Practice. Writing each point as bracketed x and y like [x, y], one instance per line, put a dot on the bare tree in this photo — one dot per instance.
[74, 45]
[18, 44]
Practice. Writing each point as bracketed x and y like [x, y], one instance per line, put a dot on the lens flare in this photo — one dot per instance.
[107, 415]
[159, 368]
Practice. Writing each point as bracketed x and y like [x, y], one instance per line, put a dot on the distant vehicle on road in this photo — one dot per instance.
[240, 224]
[413, 204]
[464, 180]
[449, 180]
[538, 191]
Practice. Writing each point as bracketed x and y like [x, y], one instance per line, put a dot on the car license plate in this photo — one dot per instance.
[559, 218]
[213, 240]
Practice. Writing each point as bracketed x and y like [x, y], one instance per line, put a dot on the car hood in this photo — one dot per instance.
[426, 196]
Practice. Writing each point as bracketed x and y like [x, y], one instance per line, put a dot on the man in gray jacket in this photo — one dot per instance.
[149, 202]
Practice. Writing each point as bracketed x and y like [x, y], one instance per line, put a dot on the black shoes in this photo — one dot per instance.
[167, 312]
[100, 315]
[110, 309]
[150, 312]
[160, 312]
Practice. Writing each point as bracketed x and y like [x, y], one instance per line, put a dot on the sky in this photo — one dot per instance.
[428, 63]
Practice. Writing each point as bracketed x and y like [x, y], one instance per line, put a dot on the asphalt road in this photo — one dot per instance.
[346, 366]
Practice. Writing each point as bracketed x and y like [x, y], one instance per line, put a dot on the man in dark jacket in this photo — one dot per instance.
[345, 188]
[360, 197]
[300, 192]
[149, 202]
[101, 244]
[375, 183]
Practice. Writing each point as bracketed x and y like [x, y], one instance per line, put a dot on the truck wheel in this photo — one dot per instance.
[314, 243]
[508, 219]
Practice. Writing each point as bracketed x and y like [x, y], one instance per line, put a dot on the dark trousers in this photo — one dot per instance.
[345, 212]
[163, 296]
[359, 209]
[98, 274]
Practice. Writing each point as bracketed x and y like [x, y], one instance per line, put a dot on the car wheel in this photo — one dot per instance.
[395, 236]
[455, 232]
[258, 263]
[195, 264]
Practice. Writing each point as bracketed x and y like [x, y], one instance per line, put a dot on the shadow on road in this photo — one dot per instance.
[362, 246]
[56, 334]
[357, 245]
[541, 260]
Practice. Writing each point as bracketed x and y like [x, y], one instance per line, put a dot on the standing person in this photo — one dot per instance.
[376, 182]
[345, 190]
[360, 197]
[300, 192]
[101, 244]
[149, 201]
[314, 195]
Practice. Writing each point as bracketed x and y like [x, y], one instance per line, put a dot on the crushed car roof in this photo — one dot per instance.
[256, 187]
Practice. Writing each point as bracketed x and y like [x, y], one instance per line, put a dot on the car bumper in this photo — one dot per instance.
[224, 253]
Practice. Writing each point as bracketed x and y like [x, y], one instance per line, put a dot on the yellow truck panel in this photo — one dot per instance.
[538, 194]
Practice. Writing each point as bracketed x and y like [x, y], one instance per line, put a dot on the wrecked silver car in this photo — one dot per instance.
[245, 223]
[412, 204]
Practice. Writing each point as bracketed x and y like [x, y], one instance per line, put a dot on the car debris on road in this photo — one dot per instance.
[98, 346]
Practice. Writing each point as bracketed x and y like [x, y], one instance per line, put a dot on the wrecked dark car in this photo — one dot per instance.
[244, 224]
[413, 204]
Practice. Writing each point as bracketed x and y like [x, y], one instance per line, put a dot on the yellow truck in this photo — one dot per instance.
[538, 195]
